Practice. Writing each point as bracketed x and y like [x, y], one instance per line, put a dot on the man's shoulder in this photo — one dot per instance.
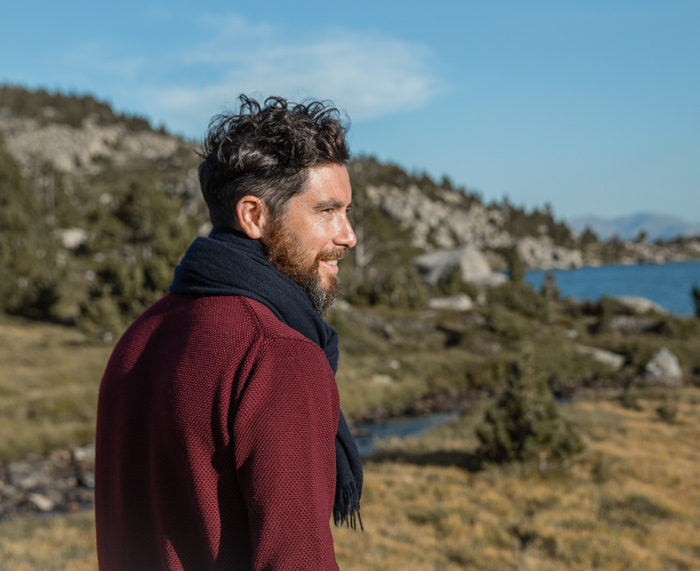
[237, 311]
[269, 325]
[216, 321]
[271, 341]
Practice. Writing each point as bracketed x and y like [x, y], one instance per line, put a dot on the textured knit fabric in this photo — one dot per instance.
[215, 442]
[228, 262]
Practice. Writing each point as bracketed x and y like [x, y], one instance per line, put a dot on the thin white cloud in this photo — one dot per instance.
[364, 74]
[187, 80]
[224, 27]
[99, 60]
[367, 77]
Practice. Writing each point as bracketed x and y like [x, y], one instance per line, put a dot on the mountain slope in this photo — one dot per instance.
[97, 208]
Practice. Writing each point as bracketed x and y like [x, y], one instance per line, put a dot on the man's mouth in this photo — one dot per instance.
[330, 264]
[330, 259]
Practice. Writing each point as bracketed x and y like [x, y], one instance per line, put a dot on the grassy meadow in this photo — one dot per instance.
[49, 379]
[631, 500]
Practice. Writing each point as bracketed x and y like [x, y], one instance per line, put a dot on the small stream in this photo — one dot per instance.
[368, 433]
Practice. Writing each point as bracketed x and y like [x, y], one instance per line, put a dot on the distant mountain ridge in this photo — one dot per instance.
[656, 226]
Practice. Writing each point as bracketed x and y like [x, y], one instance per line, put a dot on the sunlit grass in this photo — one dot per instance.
[630, 501]
[49, 543]
[49, 378]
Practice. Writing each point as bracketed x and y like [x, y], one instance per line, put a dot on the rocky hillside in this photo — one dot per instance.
[78, 139]
[96, 208]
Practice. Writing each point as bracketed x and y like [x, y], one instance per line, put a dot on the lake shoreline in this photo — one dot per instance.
[668, 284]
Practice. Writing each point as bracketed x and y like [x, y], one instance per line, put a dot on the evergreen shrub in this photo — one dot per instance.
[524, 424]
[667, 412]
[520, 297]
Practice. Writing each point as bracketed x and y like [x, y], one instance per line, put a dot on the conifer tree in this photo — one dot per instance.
[524, 424]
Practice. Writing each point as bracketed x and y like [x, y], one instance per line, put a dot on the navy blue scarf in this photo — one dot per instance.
[227, 262]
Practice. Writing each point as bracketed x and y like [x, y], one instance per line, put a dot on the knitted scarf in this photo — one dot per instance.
[228, 262]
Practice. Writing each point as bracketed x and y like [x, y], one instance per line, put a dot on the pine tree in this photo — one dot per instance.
[524, 424]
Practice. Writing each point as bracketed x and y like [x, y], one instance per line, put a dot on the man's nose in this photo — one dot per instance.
[346, 235]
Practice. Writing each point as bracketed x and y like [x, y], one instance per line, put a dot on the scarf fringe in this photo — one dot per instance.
[346, 508]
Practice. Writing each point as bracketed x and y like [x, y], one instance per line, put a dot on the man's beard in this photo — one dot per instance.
[286, 254]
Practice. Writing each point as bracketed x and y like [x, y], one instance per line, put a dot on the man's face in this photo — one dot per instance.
[314, 233]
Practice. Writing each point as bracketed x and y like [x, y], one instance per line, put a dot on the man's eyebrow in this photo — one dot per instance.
[328, 205]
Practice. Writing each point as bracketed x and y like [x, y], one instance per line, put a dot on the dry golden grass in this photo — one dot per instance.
[630, 501]
[49, 543]
[49, 378]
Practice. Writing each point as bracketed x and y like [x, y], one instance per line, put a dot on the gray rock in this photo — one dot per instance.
[41, 502]
[664, 369]
[70, 149]
[442, 219]
[437, 265]
[639, 305]
[608, 358]
[461, 302]
[25, 475]
[62, 481]
[632, 324]
[543, 254]
[73, 238]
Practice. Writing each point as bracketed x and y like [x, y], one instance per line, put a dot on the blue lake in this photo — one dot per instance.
[669, 284]
[370, 432]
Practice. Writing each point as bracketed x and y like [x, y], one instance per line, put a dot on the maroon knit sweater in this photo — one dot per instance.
[215, 442]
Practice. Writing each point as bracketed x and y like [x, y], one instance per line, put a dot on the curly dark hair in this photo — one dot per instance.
[266, 151]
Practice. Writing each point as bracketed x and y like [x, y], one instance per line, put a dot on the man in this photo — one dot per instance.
[220, 443]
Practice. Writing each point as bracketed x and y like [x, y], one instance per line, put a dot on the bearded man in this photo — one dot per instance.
[220, 442]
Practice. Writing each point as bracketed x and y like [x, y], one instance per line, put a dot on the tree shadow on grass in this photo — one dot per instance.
[469, 461]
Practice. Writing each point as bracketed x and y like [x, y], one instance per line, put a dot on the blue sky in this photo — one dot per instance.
[593, 107]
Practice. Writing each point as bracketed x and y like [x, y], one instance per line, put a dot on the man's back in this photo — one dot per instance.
[215, 444]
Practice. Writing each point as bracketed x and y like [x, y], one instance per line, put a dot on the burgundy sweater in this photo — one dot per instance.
[215, 442]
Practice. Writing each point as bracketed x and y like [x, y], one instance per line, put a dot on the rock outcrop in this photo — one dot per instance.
[603, 356]
[71, 150]
[640, 305]
[461, 302]
[664, 369]
[441, 222]
[437, 265]
[542, 253]
[438, 217]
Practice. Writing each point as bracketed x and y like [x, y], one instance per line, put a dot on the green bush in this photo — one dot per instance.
[507, 324]
[633, 510]
[630, 401]
[30, 282]
[667, 412]
[695, 294]
[520, 297]
[140, 241]
[524, 424]
[550, 290]
[514, 263]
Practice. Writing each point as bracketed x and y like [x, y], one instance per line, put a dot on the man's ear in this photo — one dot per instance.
[252, 216]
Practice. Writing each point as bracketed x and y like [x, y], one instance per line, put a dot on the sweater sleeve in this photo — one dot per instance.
[284, 435]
